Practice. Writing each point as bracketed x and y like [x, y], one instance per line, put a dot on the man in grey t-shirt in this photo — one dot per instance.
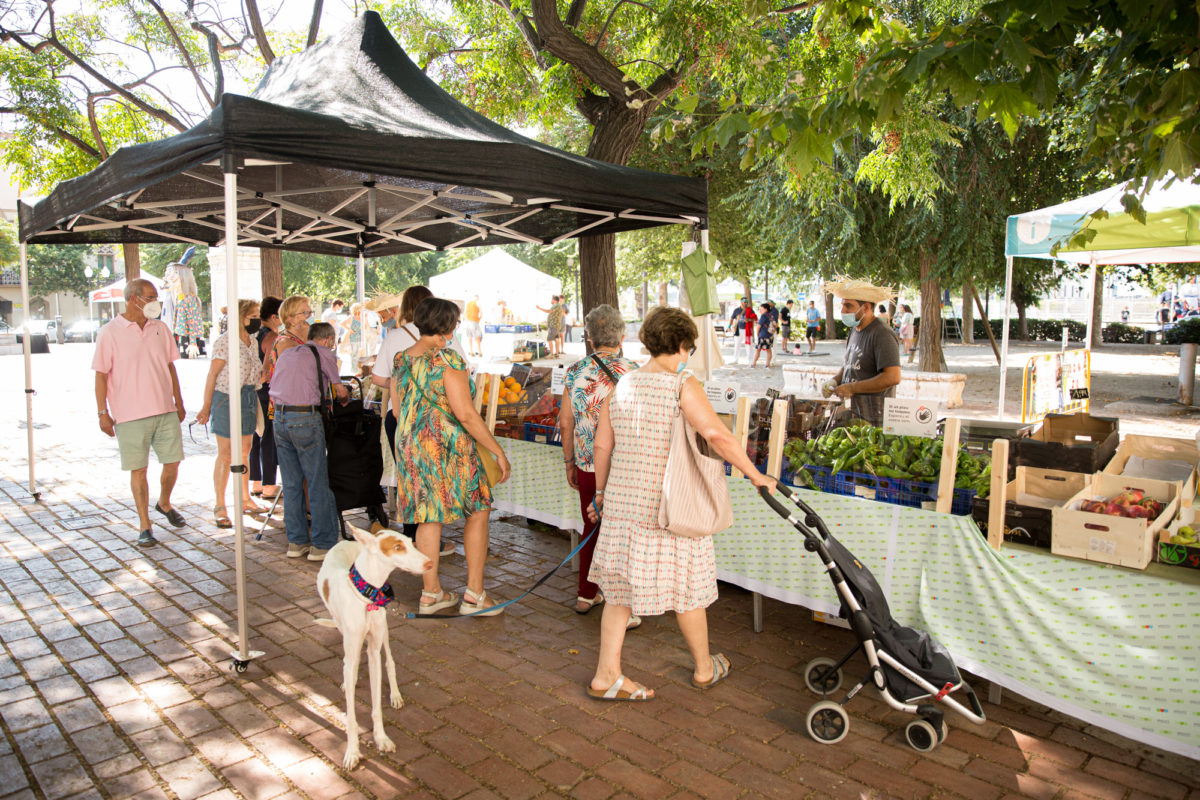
[871, 369]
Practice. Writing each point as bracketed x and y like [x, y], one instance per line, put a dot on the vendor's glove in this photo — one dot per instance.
[827, 387]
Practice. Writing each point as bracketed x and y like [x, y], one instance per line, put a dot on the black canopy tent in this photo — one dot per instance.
[348, 149]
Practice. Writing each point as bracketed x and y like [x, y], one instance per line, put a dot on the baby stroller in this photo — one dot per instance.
[912, 671]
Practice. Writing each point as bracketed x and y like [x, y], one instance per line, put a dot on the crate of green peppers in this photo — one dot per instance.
[866, 450]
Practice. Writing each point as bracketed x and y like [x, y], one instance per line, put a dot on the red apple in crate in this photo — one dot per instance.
[1134, 495]
[1138, 512]
[1113, 509]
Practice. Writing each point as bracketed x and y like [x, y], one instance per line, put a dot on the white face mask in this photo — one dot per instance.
[152, 309]
[850, 320]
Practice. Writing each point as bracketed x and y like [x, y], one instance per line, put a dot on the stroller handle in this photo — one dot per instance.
[779, 507]
[810, 519]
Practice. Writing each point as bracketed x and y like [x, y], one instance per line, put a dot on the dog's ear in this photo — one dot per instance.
[365, 538]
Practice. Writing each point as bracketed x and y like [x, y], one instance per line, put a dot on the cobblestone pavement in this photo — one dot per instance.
[115, 679]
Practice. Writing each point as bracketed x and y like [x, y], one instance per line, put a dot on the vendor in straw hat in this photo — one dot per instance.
[871, 369]
[387, 306]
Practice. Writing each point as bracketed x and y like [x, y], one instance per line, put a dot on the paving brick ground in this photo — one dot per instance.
[115, 679]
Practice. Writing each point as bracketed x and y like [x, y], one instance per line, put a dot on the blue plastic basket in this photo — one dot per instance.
[546, 434]
[899, 491]
[821, 476]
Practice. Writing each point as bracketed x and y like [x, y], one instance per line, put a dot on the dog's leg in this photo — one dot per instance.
[352, 642]
[376, 641]
[397, 700]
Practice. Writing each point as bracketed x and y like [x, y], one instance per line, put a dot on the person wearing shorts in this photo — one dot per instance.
[785, 325]
[472, 331]
[766, 335]
[138, 399]
[814, 325]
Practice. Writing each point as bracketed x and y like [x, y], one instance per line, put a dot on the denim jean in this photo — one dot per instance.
[300, 446]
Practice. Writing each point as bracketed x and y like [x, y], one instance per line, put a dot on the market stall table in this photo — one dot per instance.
[1116, 648]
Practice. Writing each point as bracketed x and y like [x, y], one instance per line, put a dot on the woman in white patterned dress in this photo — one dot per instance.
[641, 568]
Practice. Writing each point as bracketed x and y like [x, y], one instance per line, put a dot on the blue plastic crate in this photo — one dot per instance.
[546, 434]
[822, 477]
[899, 491]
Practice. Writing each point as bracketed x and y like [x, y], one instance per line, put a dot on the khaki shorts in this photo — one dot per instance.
[137, 436]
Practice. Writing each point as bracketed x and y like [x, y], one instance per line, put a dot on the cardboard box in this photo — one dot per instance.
[1028, 503]
[1179, 555]
[1109, 539]
[1073, 442]
[1160, 448]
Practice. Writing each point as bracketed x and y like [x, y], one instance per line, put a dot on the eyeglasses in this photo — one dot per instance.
[692, 352]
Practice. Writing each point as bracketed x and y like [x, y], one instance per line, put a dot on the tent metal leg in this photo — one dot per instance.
[27, 351]
[241, 656]
[1008, 275]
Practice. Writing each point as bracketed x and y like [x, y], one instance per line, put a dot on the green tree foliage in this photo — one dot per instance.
[59, 268]
[323, 277]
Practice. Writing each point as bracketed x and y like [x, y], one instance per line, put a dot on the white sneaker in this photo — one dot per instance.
[297, 550]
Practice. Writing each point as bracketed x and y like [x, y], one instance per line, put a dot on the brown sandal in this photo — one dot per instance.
[222, 517]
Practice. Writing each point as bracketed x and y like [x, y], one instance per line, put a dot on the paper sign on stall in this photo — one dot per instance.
[558, 379]
[723, 396]
[910, 417]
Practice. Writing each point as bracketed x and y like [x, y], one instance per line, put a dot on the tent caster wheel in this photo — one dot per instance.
[827, 722]
[822, 676]
[921, 736]
[239, 664]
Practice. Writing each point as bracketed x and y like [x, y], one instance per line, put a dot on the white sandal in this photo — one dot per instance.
[443, 599]
[479, 608]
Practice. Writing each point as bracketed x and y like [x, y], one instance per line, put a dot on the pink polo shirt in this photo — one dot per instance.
[137, 362]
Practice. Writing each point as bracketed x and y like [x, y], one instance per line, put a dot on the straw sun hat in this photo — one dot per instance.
[851, 289]
[381, 301]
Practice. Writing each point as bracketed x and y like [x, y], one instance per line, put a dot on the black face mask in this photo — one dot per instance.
[253, 325]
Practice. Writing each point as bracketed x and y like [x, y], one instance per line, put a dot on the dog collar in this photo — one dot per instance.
[376, 597]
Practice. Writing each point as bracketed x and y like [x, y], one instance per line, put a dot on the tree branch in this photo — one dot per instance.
[53, 42]
[528, 33]
[315, 24]
[575, 13]
[187, 57]
[214, 55]
[83, 146]
[604, 30]
[260, 35]
[95, 125]
[565, 45]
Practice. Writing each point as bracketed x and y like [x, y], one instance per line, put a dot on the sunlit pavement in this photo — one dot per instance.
[115, 678]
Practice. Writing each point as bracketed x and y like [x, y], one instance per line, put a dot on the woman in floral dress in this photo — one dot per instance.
[641, 568]
[440, 476]
[588, 384]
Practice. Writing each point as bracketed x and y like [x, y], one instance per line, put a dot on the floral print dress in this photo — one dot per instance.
[439, 476]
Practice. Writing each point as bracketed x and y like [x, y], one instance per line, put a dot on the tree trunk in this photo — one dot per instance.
[614, 138]
[271, 268]
[746, 290]
[1022, 323]
[1098, 309]
[929, 340]
[830, 318]
[968, 316]
[662, 293]
[133, 261]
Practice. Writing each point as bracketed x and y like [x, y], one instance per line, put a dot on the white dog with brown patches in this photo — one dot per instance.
[353, 585]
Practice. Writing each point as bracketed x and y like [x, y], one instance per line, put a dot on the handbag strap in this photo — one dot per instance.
[604, 368]
[320, 383]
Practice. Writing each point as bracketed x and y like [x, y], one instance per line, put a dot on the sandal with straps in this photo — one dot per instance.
[442, 599]
[221, 517]
[479, 608]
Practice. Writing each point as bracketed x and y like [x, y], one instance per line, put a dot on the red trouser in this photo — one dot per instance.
[587, 491]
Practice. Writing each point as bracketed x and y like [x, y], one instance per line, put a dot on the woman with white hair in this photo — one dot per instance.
[588, 383]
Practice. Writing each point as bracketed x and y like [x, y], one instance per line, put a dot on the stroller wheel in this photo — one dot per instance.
[827, 722]
[921, 736]
[822, 676]
[943, 732]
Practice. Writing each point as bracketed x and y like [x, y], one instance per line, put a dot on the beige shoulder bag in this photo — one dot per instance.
[695, 497]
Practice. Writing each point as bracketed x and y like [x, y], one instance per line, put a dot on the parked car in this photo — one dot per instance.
[83, 330]
[43, 326]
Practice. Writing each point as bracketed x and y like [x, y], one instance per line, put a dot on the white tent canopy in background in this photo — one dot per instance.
[495, 276]
[1170, 234]
[115, 291]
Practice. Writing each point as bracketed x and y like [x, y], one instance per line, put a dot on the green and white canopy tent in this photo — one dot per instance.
[1170, 234]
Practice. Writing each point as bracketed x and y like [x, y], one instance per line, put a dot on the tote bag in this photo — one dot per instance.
[695, 497]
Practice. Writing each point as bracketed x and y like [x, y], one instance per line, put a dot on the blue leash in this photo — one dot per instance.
[491, 609]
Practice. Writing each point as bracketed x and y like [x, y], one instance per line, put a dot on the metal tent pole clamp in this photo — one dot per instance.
[27, 351]
[243, 655]
[1008, 276]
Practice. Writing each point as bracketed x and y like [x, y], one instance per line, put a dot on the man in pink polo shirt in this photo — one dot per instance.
[138, 399]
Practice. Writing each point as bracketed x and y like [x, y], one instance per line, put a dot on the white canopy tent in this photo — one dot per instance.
[496, 276]
[1170, 234]
[115, 292]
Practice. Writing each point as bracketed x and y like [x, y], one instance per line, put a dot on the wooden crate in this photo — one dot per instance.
[1109, 539]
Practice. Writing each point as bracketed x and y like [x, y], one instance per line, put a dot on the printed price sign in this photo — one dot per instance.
[558, 379]
[723, 396]
[910, 417]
